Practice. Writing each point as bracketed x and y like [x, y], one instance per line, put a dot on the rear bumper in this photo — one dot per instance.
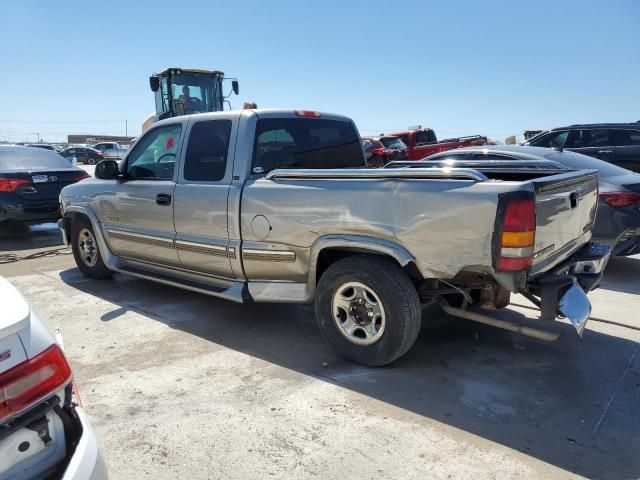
[562, 291]
[18, 211]
[87, 462]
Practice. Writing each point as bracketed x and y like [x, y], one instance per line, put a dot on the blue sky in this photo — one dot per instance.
[460, 67]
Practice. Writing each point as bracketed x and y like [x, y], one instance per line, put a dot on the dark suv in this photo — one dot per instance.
[617, 143]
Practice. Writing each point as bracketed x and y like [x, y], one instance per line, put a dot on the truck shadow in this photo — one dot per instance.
[566, 403]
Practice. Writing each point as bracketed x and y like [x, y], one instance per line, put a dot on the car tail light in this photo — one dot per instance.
[81, 176]
[32, 381]
[306, 113]
[517, 236]
[378, 151]
[621, 199]
[12, 184]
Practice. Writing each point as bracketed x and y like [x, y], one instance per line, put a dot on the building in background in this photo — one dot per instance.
[95, 138]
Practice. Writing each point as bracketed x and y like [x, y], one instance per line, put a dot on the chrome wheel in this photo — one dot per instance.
[87, 247]
[358, 313]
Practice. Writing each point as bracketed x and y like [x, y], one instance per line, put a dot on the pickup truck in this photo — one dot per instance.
[422, 142]
[111, 150]
[278, 206]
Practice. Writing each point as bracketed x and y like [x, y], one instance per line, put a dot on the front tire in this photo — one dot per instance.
[367, 309]
[86, 251]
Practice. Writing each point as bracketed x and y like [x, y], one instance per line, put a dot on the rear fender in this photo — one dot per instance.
[356, 244]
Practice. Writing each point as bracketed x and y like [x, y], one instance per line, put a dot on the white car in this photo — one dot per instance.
[44, 433]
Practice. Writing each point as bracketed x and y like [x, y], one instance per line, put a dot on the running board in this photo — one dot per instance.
[494, 322]
[236, 292]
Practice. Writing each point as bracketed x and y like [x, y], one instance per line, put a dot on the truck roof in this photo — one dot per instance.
[260, 112]
[408, 131]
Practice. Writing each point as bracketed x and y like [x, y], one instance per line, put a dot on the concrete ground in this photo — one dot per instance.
[180, 385]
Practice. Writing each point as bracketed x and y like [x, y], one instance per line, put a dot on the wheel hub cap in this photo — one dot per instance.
[87, 247]
[358, 313]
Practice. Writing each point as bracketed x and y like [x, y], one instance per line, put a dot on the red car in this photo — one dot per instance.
[422, 142]
[382, 150]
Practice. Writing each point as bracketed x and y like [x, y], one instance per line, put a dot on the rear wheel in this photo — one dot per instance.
[91, 161]
[368, 309]
[86, 251]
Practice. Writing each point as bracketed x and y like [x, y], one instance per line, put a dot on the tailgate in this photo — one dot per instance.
[565, 211]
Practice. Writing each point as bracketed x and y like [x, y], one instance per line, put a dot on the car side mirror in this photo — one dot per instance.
[235, 86]
[154, 83]
[107, 170]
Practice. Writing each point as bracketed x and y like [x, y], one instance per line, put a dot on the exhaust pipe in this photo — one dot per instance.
[494, 322]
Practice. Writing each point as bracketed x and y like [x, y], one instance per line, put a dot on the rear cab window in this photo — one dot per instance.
[311, 143]
[424, 137]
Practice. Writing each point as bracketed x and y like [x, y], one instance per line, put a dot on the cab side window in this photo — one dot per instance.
[154, 156]
[625, 138]
[553, 139]
[206, 157]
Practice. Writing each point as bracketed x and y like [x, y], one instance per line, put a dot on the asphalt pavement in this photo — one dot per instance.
[181, 385]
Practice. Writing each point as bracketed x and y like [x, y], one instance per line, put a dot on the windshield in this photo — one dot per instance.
[393, 142]
[13, 158]
[196, 93]
[579, 161]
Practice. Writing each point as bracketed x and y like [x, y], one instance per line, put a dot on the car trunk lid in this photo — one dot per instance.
[42, 185]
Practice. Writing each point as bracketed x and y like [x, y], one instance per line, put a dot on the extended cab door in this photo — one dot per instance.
[202, 233]
[138, 213]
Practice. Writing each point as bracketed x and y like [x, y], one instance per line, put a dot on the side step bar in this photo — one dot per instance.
[236, 292]
[494, 322]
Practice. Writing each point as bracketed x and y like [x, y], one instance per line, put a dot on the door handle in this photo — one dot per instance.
[605, 151]
[163, 199]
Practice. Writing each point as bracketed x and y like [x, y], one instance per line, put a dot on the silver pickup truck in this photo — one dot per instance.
[279, 206]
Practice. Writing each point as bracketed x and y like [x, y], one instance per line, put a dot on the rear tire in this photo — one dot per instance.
[91, 161]
[367, 309]
[86, 251]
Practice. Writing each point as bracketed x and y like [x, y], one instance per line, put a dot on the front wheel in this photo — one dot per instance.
[86, 251]
[368, 309]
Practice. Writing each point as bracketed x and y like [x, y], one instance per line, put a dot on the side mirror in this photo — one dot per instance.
[154, 83]
[107, 170]
[235, 86]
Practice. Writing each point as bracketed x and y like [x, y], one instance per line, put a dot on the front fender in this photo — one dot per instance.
[109, 259]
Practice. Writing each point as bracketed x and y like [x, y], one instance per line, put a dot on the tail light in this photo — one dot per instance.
[517, 236]
[621, 199]
[81, 176]
[12, 184]
[32, 381]
[306, 113]
[378, 151]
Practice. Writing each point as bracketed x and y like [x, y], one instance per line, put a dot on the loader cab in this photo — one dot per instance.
[181, 91]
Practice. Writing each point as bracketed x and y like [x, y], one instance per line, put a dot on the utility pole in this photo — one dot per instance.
[125, 129]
